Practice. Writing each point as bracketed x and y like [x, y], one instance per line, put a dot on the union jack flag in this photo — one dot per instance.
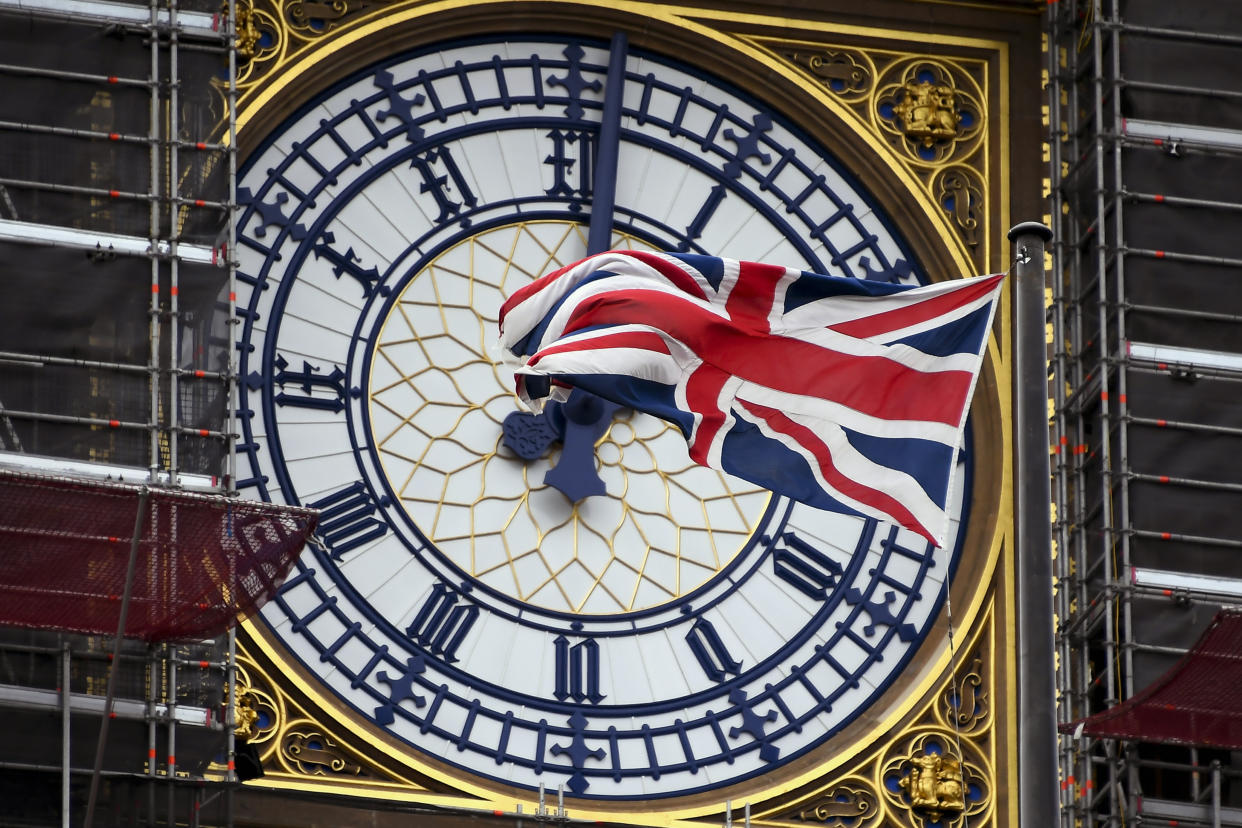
[846, 394]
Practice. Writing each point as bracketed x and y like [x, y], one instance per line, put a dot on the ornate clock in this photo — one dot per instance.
[654, 631]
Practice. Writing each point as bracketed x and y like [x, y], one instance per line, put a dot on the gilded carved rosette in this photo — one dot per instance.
[930, 110]
[935, 777]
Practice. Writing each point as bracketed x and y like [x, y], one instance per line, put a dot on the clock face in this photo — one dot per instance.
[676, 631]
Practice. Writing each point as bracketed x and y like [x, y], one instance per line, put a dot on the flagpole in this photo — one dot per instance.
[1038, 803]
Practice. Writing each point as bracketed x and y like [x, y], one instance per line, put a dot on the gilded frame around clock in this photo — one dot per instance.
[872, 99]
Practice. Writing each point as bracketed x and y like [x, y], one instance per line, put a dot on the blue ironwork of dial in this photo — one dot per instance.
[608, 617]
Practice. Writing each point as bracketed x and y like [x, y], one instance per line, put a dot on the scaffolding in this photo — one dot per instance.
[117, 171]
[1145, 113]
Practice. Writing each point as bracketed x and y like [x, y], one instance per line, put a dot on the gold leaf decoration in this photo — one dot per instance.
[845, 806]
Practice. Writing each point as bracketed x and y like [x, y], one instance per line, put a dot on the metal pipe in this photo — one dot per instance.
[230, 473]
[86, 655]
[1183, 313]
[1215, 793]
[65, 722]
[38, 360]
[60, 74]
[1119, 343]
[1156, 649]
[199, 24]
[1037, 759]
[66, 418]
[1177, 34]
[1102, 261]
[1075, 107]
[1190, 482]
[1183, 597]
[230, 712]
[42, 768]
[1181, 146]
[230, 258]
[153, 359]
[1225, 261]
[72, 132]
[108, 423]
[201, 432]
[174, 235]
[1229, 543]
[139, 518]
[153, 683]
[1181, 201]
[171, 702]
[78, 190]
[1152, 86]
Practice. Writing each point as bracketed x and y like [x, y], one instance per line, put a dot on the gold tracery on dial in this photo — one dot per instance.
[668, 524]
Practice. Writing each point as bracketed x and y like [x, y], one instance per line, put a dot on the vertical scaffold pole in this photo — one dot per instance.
[230, 244]
[172, 136]
[114, 664]
[171, 707]
[153, 134]
[230, 260]
[1037, 749]
[64, 735]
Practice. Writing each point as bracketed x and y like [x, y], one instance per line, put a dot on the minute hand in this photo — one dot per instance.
[604, 187]
[585, 417]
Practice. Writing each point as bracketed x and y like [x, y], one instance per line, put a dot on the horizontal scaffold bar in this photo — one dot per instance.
[200, 24]
[28, 232]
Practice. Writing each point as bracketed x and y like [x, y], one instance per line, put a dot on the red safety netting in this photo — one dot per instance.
[1197, 702]
[204, 562]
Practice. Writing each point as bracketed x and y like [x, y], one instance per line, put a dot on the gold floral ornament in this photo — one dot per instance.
[848, 74]
[965, 702]
[255, 31]
[314, 753]
[844, 806]
[247, 716]
[959, 191]
[928, 112]
[934, 784]
[257, 715]
[318, 17]
[931, 109]
[938, 778]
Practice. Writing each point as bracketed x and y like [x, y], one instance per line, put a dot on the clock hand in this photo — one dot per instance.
[584, 417]
[604, 187]
[578, 423]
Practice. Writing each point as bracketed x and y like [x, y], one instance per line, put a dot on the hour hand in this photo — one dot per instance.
[578, 423]
[584, 419]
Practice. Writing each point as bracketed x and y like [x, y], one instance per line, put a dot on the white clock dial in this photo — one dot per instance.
[667, 633]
